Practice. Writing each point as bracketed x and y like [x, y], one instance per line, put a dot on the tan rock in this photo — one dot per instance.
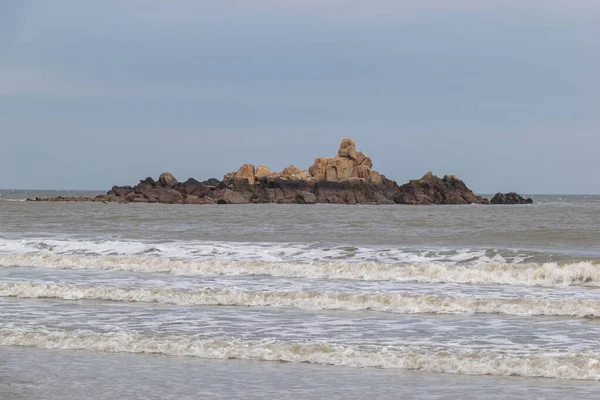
[291, 170]
[339, 168]
[362, 159]
[317, 170]
[348, 149]
[375, 177]
[229, 177]
[262, 171]
[167, 179]
[246, 171]
[302, 176]
[362, 171]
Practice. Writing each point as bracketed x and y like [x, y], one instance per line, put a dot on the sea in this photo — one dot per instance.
[153, 301]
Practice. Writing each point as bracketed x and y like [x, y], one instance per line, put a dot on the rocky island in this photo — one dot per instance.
[347, 178]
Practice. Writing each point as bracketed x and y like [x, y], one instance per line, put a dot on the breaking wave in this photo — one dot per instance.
[401, 303]
[251, 251]
[581, 366]
[582, 273]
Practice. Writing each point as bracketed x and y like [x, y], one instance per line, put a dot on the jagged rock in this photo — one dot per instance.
[347, 164]
[262, 171]
[363, 160]
[430, 189]
[510, 198]
[246, 171]
[149, 181]
[348, 149]
[347, 178]
[290, 171]
[317, 170]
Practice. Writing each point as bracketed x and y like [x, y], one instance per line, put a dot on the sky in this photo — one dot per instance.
[506, 95]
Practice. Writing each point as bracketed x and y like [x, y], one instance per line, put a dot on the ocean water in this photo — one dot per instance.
[151, 301]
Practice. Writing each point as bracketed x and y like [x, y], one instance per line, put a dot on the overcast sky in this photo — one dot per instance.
[100, 93]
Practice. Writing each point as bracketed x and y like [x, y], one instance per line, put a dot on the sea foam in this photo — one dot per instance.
[401, 303]
[582, 366]
[582, 273]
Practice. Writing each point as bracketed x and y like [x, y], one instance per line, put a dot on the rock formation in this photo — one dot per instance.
[347, 178]
[430, 189]
[346, 165]
[510, 198]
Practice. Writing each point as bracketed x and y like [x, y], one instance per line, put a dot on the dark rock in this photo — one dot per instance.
[211, 182]
[143, 188]
[242, 184]
[198, 190]
[430, 189]
[347, 178]
[149, 181]
[191, 181]
[164, 195]
[229, 196]
[122, 191]
[510, 198]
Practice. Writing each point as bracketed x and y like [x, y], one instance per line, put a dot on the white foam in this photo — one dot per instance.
[583, 273]
[583, 366]
[398, 302]
[271, 252]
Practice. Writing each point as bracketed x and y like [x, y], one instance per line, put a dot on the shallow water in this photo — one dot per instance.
[391, 301]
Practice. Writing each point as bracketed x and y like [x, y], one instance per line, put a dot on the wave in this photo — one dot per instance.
[581, 366]
[268, 252]
[401, 303]
[582, 273]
